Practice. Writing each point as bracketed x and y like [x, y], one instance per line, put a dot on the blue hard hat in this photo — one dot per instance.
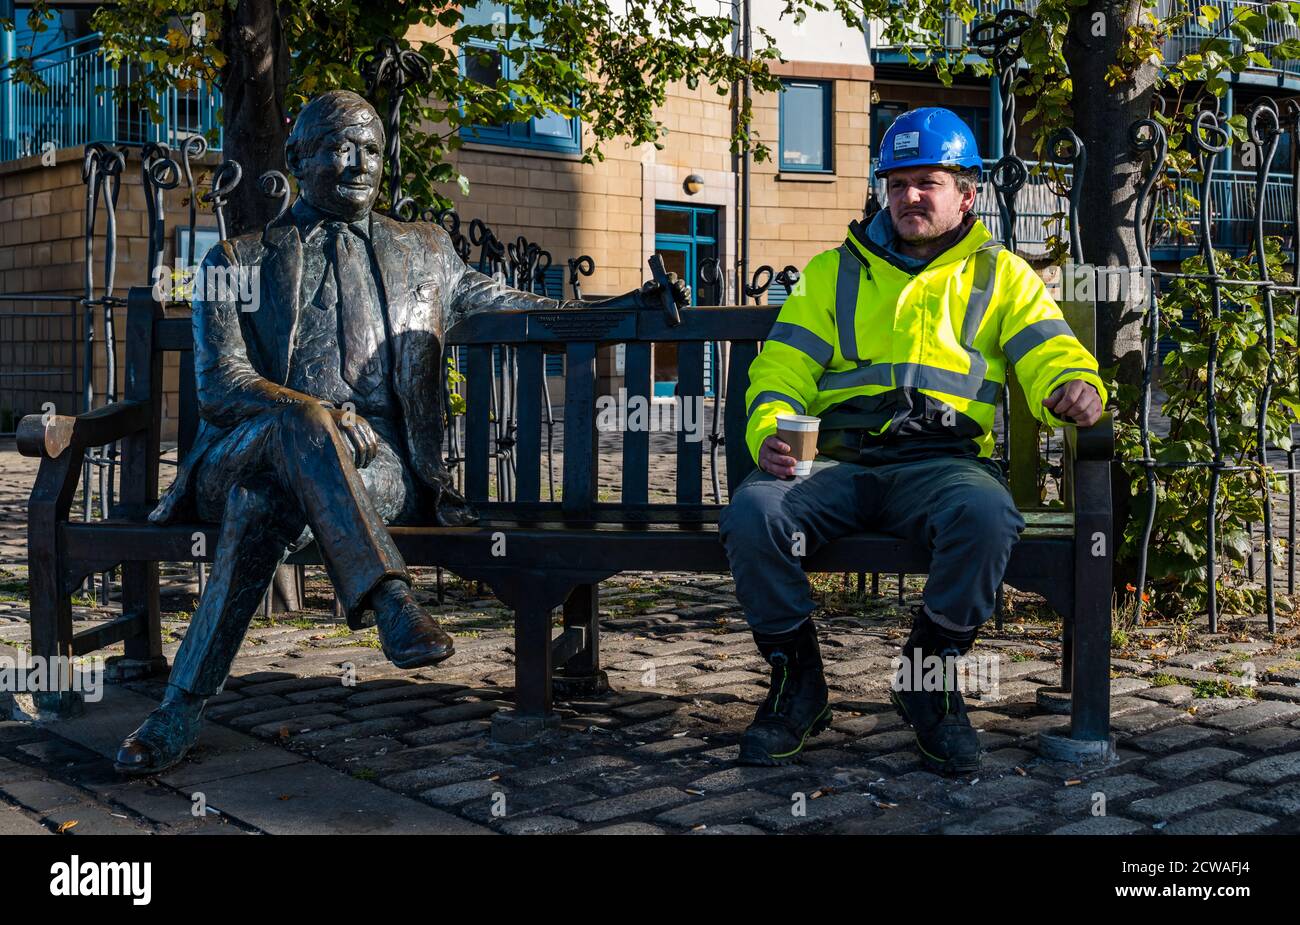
[930, 136]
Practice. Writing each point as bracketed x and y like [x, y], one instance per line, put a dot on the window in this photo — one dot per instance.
[883, 115]
[806, 126]
[483, 61]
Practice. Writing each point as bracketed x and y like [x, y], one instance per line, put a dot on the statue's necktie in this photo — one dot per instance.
[357, 340]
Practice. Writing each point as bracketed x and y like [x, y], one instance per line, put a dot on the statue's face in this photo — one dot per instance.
[342, 177]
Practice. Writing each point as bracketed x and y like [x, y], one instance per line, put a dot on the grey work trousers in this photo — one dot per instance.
[959, 507]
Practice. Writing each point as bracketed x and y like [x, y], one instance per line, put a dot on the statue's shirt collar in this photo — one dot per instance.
[310, 220]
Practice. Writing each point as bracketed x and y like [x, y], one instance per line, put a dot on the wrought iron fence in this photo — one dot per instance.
[1210, 137]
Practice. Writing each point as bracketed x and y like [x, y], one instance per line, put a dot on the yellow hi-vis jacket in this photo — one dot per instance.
[902, 365]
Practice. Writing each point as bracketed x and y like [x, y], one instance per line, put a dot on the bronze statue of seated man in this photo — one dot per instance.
[321, 410]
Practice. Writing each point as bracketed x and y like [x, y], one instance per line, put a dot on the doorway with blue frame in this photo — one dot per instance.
[686, 236]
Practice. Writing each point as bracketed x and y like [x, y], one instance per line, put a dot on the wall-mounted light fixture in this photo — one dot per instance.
[693, 184]
[875, 96]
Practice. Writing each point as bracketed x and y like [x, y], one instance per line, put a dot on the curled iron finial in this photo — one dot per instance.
[997, 38]
[1153, 139]
[1065, 145]
[100, 158]
[541, 263]
[194, 147]
[479, 232]
[1261, 111]
[273, 185]
[580, 266]
[788, 277]
[160, 167]
[406, 209]
[224, 180]
[390, 66]
[1009, 175]
[760, 283]
[1210, 122]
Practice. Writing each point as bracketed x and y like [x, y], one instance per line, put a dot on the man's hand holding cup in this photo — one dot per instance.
[790, 451]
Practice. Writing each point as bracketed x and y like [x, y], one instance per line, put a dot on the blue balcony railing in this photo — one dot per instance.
[80, 106]
[1232, 211]
[954, 34]
[1188, 37]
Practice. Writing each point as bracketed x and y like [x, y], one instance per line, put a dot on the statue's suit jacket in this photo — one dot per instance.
[425, 288]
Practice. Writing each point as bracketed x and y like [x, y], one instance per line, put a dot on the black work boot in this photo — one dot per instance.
[944, 735]
[796, 706]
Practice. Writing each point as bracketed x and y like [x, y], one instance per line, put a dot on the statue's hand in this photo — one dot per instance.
[358, 432]
[649, 294]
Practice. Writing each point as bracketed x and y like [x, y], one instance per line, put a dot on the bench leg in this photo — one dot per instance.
[1090, 665]
[140, 599]
[580, 674]
[1067, 655]
[533, 595]
[1089, 627]
[51, 603]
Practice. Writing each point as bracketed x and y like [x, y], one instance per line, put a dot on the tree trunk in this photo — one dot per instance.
[254, 84]
[1114, 174]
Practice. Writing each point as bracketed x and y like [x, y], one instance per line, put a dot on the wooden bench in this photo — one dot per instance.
[556, 553]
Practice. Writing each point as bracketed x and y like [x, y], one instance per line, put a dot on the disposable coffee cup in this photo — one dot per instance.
[800, 432]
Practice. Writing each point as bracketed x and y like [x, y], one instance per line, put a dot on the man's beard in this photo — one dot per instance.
[930, 239]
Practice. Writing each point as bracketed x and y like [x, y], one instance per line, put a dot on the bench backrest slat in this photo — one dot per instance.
[740, 354]
[187, 423]
[689, 411]
[636, 443]
[581, 456]
[478, 408]
[528, 459]
[144, 367]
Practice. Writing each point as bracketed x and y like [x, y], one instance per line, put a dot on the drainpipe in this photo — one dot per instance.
[746, 52]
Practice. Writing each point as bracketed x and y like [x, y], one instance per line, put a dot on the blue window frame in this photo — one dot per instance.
[806, 117]
[484, 62]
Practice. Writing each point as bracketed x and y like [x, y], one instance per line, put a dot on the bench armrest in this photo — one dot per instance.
[50, 437]
[1095, 443]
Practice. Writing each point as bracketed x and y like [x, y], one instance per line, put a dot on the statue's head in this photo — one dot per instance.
[336, 151]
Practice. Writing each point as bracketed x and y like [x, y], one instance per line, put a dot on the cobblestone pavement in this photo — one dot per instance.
[291, 747]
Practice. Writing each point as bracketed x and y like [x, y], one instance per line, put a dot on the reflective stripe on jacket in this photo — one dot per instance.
[888, 357]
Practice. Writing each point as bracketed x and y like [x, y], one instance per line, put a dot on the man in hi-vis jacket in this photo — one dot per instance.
[899, 340]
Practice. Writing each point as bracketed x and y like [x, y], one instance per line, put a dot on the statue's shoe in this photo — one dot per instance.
[410, 637]
[161, 741]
